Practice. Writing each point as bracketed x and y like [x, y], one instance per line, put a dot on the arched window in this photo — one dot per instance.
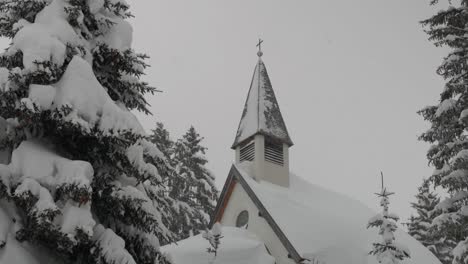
[242, 219]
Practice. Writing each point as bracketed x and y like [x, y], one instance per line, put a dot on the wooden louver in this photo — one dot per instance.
[274, 153]
[247, 152]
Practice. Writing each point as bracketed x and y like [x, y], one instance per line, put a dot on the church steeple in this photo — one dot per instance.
[261, 113]
[262, 136]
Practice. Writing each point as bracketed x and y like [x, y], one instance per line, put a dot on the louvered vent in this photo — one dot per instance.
[247, 152]
[274, 153]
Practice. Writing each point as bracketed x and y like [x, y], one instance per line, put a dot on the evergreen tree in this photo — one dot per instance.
[425, 209]
[185, 216]
[449, 121]
[161, 138]
[387, 251]
[83, 184]
[196, 185]
[213, 237]
[420, 226]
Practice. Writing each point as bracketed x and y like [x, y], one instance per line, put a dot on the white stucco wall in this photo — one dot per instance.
[240, 201]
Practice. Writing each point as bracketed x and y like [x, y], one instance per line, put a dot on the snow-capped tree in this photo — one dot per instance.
[83, 183]
[213, 237]
[387, 251]
[183, 185]
[420, 226]
[196, 185]
[185, 216]
[449, 121]
[426, 201]
[450, 233]
[160, 136]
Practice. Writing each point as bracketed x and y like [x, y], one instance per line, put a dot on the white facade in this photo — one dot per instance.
[240, 201]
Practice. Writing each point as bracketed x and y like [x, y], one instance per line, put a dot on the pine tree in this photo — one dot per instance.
[387, 251]
[420, 226]
[196, 185]
[449, 121]
[83, 184]
[213, 237]
[185, 216]
[160, 136]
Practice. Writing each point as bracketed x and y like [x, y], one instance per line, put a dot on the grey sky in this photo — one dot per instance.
[349, 77]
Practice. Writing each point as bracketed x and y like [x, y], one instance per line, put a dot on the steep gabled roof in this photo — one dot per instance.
[317, 224]
[261, 113]
[235, 177]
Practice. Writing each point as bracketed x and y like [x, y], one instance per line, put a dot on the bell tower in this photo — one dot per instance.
[262, 140]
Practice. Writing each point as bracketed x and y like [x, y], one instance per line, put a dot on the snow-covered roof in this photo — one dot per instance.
[323, 225]
[238, 246]
[261, 113]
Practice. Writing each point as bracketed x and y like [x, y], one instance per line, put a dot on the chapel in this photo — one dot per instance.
[297, 221]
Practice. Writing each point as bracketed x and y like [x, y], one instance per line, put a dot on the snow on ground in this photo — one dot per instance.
[326, 226]
[238, 246]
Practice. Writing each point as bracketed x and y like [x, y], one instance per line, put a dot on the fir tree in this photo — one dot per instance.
[449, 121]
[420, 226]
[196, 185]
[84, 183]
[387, 251]
[213, 237]
[185, 216]
[160, 136]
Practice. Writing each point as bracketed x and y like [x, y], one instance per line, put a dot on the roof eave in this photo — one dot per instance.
[286, 140]
[236, 177]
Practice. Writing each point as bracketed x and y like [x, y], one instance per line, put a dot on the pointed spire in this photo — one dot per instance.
[261, 113]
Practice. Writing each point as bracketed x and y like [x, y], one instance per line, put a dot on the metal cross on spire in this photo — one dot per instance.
[259, 45]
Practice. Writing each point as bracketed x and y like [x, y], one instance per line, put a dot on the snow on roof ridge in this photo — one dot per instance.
[319, 222]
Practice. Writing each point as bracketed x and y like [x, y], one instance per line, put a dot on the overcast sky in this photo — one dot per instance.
[349, 77]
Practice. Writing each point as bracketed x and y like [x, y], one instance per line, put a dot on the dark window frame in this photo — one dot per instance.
[244, 217]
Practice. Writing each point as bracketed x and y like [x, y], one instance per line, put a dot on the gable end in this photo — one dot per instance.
[235, 177]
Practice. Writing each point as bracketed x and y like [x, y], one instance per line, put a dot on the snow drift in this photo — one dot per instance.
[238, 246]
